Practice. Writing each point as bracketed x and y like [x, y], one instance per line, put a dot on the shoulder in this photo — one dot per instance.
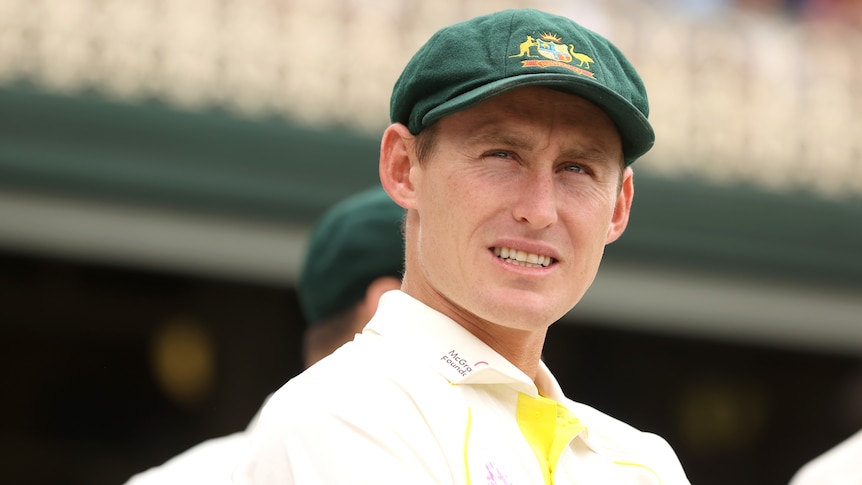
[359, 398]
[837, 465]
[211, 461]
[362, 383]
[628, 445]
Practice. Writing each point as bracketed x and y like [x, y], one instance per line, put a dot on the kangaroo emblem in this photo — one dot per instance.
[525, 47]
[584, 59]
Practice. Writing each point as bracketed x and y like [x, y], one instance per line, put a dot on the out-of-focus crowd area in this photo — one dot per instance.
[740, 90]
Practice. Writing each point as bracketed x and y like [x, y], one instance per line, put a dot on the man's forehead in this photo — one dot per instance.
[538, 102]
[486, 125]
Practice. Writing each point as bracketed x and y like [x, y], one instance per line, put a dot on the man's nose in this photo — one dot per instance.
[536, 201]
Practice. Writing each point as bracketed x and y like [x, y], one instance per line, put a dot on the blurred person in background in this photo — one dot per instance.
[841, 465]
[355, 254]
[510, 147]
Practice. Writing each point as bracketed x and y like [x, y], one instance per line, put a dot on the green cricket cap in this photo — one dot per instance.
[355, 242]
[472, 61]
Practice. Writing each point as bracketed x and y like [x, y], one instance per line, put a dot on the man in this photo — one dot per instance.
[510, 148]
[354, 255]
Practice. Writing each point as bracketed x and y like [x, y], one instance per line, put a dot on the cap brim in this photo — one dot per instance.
[635, 130]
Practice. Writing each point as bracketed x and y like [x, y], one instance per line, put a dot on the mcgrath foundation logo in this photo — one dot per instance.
[460, 364]
[555, 53]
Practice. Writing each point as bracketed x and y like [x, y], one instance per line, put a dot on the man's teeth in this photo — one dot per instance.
[522, 258]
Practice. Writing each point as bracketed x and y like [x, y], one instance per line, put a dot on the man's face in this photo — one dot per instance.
[532, 174]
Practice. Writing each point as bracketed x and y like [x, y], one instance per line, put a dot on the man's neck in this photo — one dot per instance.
[520, 347]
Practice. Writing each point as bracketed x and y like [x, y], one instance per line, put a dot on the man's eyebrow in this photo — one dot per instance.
[586, 154]
[496, 138]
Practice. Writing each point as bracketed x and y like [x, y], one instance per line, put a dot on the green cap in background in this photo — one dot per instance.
[470, 62]
[355, 242]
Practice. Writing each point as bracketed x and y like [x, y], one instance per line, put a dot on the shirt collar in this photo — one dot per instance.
[452, 350]
[458, 355]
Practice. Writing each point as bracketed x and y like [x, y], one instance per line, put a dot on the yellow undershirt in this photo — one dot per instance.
[549, 428]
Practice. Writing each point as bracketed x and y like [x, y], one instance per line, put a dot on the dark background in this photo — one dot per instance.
[82, 404]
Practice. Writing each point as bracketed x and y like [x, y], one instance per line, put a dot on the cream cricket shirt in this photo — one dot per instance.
[418, 399]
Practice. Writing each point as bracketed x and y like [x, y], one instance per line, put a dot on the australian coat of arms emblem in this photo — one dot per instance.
[555, 53]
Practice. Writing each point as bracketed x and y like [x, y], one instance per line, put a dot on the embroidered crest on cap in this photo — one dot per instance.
[556, 54]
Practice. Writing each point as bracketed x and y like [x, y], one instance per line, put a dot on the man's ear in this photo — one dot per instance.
[623, 207]
[397, 158]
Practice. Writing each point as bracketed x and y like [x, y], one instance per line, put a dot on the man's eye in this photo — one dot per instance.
[574, 168]
[499, 154]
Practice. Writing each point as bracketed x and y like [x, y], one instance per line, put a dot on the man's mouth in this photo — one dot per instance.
[522, 258]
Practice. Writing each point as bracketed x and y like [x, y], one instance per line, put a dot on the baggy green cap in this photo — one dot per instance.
[472, 61]
[355, 242]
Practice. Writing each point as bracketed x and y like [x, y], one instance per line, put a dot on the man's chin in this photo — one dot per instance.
[524, 310]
